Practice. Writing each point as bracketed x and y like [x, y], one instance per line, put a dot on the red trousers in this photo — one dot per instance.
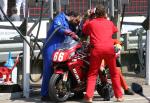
[122, 80]
[96, 57]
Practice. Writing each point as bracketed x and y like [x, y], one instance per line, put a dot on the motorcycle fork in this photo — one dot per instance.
[65, 76]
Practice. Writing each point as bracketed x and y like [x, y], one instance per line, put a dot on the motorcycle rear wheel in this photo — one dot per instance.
[58, 90]
[105, 91]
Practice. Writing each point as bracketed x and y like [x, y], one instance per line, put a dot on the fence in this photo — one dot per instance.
[135, 7]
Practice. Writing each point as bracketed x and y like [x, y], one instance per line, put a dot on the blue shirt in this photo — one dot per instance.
[59, 36]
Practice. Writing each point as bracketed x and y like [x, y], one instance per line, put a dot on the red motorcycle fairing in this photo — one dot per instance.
[58, 71]
[65, 74]
[62, 55]
[76, 68]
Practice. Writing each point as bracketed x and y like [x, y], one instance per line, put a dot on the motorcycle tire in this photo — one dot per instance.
[105, 91]
[58, 91]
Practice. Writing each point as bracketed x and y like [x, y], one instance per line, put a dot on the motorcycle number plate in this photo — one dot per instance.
[58, 56]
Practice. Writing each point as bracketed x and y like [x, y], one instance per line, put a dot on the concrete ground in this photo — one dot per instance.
[35, 96]
[128, 99]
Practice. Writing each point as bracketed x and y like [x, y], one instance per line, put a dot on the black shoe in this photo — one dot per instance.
[45, 98]
[128, 92]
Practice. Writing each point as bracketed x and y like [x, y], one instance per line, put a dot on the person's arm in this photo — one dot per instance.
[85, 28]
[114, 28]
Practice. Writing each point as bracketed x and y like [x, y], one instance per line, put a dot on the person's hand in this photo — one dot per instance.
[118, 53]
[91, 11]
[117, 48]
[74, 36]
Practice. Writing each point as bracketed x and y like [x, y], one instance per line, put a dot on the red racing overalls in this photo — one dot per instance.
[100, 31]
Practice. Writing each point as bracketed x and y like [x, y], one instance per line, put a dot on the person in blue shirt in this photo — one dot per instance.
[66, 23]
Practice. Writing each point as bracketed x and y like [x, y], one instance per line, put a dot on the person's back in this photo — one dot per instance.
[61, 22]
[101, 32]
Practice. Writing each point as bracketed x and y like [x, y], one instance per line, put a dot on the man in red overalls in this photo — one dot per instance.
[100, 31]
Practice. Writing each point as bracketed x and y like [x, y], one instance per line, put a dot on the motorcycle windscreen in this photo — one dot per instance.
[68, 43]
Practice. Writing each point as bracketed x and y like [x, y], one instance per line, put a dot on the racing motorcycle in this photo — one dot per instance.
[71, 64]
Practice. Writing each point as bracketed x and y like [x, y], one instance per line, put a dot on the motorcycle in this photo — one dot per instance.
[71, 64]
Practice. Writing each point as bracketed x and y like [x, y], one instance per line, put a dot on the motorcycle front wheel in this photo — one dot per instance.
[59, 91]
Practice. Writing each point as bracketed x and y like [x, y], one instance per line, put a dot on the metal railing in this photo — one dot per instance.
[135, 39]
